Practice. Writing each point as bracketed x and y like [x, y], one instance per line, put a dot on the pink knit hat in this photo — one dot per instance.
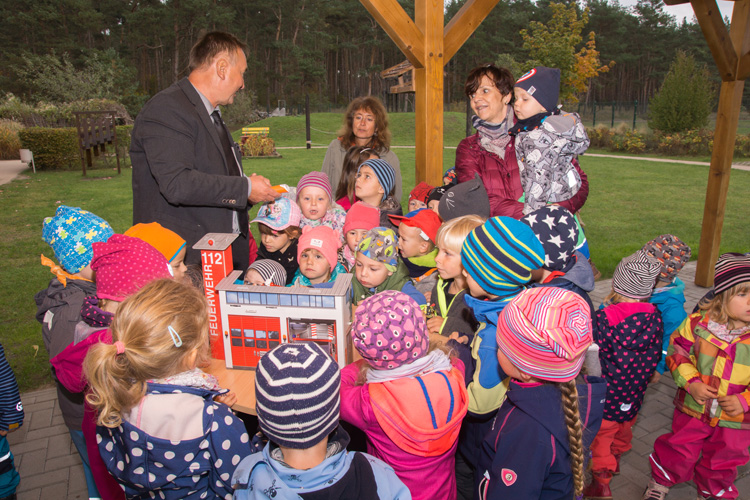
[362, 216]
[315, 179]
[323, 239]
[389, 330]
[545, 332]
[124, 265]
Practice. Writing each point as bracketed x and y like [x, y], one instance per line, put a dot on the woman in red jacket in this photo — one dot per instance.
[491, 151]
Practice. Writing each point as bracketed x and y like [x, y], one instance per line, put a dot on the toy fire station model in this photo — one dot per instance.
[247, 321]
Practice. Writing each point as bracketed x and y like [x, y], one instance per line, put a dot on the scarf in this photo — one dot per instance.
[93, 315]
[191, 378]
[725, 333]
[433, 361]
[531, 123]
[493, 137]
[302, 280]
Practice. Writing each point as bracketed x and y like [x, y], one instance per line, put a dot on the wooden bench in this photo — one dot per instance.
[95, 130]
[255, 130]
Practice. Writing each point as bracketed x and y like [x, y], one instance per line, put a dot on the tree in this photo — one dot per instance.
[685, 99]
[554, 45]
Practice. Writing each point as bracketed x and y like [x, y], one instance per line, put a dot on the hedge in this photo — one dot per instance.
[57, 148]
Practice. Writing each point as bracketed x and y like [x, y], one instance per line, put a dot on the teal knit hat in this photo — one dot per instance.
[71, 232]
[500, 255]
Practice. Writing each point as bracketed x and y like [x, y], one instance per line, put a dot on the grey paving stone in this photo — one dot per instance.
[58, 446]
[36, 444]
[32, 463]
[47, 432]
[30, 494]
[40, 419]
[41, 405]
[56, 477]
[77, 482]
[65, 462]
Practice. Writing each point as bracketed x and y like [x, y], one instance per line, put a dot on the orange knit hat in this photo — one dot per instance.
[166, 241]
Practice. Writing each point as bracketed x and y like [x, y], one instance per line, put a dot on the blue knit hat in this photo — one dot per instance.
[500, 255]
[557, 231]
[71, 232]
[383, 171]
[297, 389]
[543, 84]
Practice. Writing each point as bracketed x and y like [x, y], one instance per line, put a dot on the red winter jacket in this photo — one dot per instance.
[502, 179]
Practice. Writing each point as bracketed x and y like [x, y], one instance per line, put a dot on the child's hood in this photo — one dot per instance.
[581, 273]
[675, 291]
[485, 311]
[260, 476]
[422, 415]
[57, 294]
[535, 402]
[626, 323]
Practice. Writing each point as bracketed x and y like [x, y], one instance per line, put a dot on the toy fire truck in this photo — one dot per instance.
[247, 321]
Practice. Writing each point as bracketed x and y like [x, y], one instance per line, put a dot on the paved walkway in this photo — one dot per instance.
[50, 468]
[10, 169]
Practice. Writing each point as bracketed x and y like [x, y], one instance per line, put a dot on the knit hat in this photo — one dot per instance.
[389, 330]
[383, 171]
[271, 271]
[297, 393]
[500, 255]
[279, 214]
[323, 239]
[437, 193]
[380, 244]
[124, 265]
[545, 331]
[420, 192]
[361, 216]
[424, 219]
[558, 233]
[731, 270]
[450, 178]
[165, 240]
[315, 179]
[71, 232]
[543, 84]
[467, 198]
[671, 252]
[635, 276]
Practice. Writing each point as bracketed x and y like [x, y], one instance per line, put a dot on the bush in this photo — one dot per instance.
[9, 141]
[685, 99]
[53, 148]
[631, 141]
[57, 115]
[600, 136]
[123, 140]
[257, 145]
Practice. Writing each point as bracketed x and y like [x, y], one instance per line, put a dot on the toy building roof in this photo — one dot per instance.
[340, 287]
[215, 241]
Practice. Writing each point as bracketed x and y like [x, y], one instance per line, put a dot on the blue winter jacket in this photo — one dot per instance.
[526, 454]
[670, 300]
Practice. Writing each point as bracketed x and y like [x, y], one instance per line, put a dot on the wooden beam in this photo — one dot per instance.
[429, 18]
[709, 17]
[463, 24]
[727, 118]
[399, 26]
[743, 70]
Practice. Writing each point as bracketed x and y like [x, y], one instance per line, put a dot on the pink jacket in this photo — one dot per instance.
[503, 179]
[412, 425]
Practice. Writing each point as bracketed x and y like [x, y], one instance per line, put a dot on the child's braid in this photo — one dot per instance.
[575, 433]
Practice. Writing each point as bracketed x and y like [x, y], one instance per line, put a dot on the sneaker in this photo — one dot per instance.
[655, 491]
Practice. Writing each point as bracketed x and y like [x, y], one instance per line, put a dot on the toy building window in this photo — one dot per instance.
[249, 338]
[285, 300]
[254, 298]
[303, 300]
[273, 338]
[232, 298]
[236, 335]
[260, 344]
[328, 302]
[272, 299]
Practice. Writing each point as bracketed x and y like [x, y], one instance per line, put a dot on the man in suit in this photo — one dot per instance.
[187, 170]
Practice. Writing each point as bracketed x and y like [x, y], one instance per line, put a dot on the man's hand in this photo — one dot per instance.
[434, 324]
[731, 405]
[701, 392]
[261, 191]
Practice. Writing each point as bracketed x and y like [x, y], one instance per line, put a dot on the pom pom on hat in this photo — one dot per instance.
[71, 233]
[389, 330]
[545, 331]
[297, 390]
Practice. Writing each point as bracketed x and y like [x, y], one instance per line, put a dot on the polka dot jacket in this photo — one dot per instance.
[197, 468]
[629, 337]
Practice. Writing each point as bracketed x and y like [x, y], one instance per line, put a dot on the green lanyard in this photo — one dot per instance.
[441, 302]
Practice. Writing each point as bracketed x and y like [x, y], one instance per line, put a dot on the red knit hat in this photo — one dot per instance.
[323, 239]
[420, 192]
[124, 265]
[362, 216]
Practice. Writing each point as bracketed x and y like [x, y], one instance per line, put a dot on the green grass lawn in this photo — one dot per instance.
[630, 203]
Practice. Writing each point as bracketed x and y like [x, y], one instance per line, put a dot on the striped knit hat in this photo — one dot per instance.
[271, 271]
[500, 255]
[671, 252]
[297, 389]
[545, 331]
[315, 179]
[635, 276]
[731, 270]
[389, 330]
[383, 171]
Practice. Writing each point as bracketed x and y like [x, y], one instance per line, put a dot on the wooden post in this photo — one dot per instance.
[307, 120]
[729, 57]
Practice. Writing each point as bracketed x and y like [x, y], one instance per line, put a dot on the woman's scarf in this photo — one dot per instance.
[493, 137]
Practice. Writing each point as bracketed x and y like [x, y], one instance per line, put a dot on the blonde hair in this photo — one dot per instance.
[150, 324]
[452, 233]
[615, 298]
[716, 307]
[440, 346]
[575, 433]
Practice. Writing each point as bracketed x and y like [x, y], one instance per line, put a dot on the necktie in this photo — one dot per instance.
[224, 138]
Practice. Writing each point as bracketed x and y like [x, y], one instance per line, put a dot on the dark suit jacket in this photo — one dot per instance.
[181, 178]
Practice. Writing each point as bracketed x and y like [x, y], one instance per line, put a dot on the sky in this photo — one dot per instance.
[685, 10]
